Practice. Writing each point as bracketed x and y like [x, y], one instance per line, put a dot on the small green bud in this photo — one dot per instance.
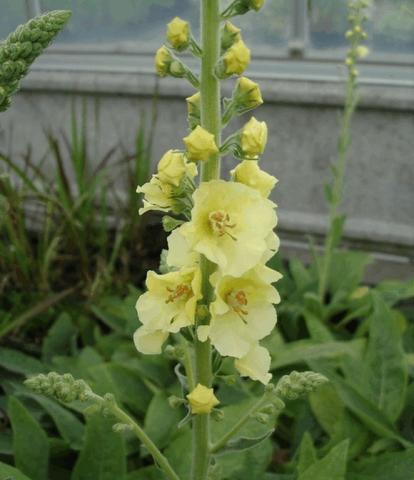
[261, 417]
[121, 427]
[217, 415]
[175, 402]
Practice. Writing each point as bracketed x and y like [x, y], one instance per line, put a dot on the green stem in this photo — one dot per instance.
[159, 458]
[338, 185]
[211, 121]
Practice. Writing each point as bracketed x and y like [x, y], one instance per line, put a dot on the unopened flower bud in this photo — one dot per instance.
[249, 173]
[175, 402]
[253, 138]
[163, 60]
[349, 34]
[298, 384]
[217, 415]
[178, 34]
[247, 93]
[202, 400]
[230, 34]
[362, 51]
[193, 108]
[234, 61]
[261, 417]
[256, 4]
[173, 166]
[200, 145]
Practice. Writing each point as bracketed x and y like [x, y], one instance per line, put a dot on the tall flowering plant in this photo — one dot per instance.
[215, 297]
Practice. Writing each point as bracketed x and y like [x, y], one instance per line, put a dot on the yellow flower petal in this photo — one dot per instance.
[255, 364]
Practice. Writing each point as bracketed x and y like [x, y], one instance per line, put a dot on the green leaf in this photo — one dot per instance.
[367, 413]
[68, 425]
[386, 366]
[327, 407]
[60, 338]
[161, 420]
[330, 467]
[146, 473]
[347, 271]
[19, 362]
[316, 328]
[303, 351]
[393, 291]
[10, 473]
[388, 466]
[103, 456]
[30, 442]
[307, 453]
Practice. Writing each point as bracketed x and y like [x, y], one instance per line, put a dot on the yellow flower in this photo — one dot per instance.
[242, 312]
[163, 61]
[236, 59]
[256, 4]
[157, 196]
[253, 138]
[200, 144]
[249, 173]
[229, 225]
[248, 93]
[173, 166]
[202, 400]
[178, 33]
[255, 364]
[362, 51]
[168, 305]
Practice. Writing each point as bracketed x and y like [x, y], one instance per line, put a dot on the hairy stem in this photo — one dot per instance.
[338, 184]
[211, 121]
[124, 418]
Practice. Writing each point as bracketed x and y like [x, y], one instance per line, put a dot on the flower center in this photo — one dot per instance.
[237, 300]
[221, 224]
[180, 292]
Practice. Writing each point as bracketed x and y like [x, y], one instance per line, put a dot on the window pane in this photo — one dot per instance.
[328, 23]
[393, 26]
[267, 29]
[12, 15]
[390, 26]
[139, 22]
[142, 22]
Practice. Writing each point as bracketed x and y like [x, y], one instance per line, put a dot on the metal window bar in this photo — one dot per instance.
[299, 29]
[33, 8]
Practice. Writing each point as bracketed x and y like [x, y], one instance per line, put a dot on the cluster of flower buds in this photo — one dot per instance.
[22, 47]
[356, 34]
[298, 384]
[62, 387]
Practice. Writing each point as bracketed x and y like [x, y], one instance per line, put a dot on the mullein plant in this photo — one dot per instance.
[21, 48]
[215, 296]
[356, 35]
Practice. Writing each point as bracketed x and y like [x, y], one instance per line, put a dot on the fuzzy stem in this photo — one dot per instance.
[159, 458]
[211, 121]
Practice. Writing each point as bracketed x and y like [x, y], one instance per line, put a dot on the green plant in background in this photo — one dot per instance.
[22, 47]
[334, 192]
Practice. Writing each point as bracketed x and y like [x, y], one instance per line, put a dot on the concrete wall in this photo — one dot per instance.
[303, 120]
